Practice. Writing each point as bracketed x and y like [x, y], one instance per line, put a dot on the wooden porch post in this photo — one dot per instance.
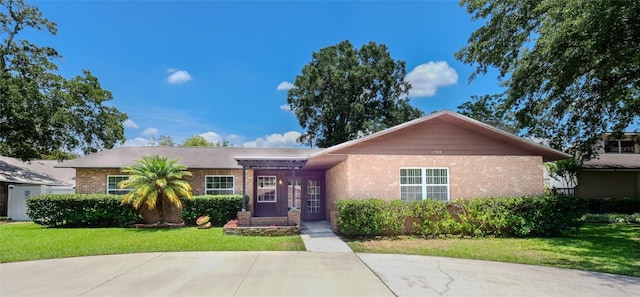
[244, 187]
[293, 188]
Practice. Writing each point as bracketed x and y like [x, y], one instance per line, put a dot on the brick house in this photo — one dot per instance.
[443, 156]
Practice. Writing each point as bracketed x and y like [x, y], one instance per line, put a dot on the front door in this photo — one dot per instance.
[312, 202]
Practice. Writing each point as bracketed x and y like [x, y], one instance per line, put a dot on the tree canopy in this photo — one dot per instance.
[570, 67]
[41, 112]
[485, 109]
[345, 93]
[199, 140]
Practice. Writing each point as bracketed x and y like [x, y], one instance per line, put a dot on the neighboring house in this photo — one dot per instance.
[21, 180]
[615, 172]
[442, 156]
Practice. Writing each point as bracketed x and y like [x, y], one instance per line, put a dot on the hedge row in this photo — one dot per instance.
[612, 218]
[81, 210]
[103, 210]
[219, 208]
[613, 205]
[501, 217]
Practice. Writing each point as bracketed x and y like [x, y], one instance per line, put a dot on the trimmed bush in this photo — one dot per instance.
[500, 217]
[370, 217]
[613, 205]
[219, 208]
[612, 218]
[81, 210]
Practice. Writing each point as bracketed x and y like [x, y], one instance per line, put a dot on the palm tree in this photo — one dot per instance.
[156, 180]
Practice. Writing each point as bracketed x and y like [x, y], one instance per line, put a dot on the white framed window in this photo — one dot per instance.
[219, 185]
[424, 183]
[267, 188]
[112, 184]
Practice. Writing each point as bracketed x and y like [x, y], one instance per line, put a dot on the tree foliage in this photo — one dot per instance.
[156, 180]
[199, 140]
[570, 66]
[345, 93]
[486, 109]
[165, 141]
[41, 112]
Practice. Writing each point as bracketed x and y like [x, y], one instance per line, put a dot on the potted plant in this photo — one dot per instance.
[203, 222]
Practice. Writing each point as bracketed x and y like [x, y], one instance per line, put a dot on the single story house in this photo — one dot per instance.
[615, 172]
[20, 180]
[442, 156]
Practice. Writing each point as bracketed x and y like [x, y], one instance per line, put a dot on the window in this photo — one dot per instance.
[112, 184]
[267, 189]
[219, 185]
[424, 183]
[619, 146]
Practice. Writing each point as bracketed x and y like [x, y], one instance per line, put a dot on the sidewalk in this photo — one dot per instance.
[318, 237]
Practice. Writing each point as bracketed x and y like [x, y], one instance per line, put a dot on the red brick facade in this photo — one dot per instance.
[94, 180]
[378, 176]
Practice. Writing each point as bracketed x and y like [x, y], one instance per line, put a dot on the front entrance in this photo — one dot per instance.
[275, 190]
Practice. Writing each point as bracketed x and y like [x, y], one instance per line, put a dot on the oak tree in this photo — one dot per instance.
[570, 67]
[41, 112]
[345, 93]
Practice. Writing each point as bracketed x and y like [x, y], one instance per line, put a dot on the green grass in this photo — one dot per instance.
[28, 241]
[612, 248]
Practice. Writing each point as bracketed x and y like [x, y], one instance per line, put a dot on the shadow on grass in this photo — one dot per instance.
[614, 246]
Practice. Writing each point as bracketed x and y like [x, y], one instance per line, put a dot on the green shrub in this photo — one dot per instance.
[613, 205]
[220, 208]
[431, 218]
[612, 218]
[500, 217]
[360, 217]
[81, 210]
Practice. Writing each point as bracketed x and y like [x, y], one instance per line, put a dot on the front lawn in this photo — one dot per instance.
[28, 241]
[612, 248]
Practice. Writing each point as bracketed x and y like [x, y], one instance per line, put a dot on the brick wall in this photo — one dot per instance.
[336, 185]
[94, 180]
[378, 176]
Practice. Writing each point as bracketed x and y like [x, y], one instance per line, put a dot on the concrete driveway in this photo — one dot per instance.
[298, 274]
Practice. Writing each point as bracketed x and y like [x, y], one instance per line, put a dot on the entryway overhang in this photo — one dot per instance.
[281, 163]
[272, 162]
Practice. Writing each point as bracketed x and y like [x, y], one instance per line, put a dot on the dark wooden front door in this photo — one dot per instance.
[313, 202]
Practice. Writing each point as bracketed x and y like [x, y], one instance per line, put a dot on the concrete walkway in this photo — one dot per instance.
[318, 237]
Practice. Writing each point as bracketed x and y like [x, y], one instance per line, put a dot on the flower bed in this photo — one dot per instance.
[234, 229]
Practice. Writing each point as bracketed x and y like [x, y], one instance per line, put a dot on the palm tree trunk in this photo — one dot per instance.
[160, 207]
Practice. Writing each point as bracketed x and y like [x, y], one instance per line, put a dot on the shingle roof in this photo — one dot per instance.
[39, 172]
[613, 161]
[192, 157]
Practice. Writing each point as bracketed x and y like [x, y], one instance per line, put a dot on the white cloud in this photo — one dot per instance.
[212, 137]
[426, 78]
[150, 131]
[285, 107]
[285, 86]
[138, 141]
[178, 76]
[275, 140]
[128, 123]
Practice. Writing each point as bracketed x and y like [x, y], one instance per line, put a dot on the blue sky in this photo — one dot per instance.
[220, 69]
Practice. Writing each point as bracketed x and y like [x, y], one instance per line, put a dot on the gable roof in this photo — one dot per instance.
[191, 157]
[38, 172]
[441, 133]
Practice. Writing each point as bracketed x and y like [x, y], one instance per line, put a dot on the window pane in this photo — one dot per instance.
[410, 176]
[438, 192]
[410, 193]
[219, 185]
[112, 184]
